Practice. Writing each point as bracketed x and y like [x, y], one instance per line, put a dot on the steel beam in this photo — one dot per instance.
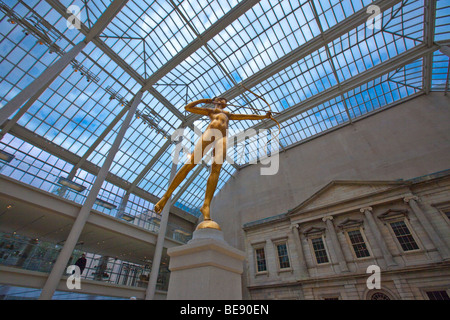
[429, 28]
[83, 215]
[166, 103]
[447, 81]
[156, 261]
[392, 64]
[333, 68]
[445, 50]
[40, 83]
[65, 155]
[62, 10]
[306, 49]
[100, 138]
[149, 166]
[5, 127]
[201, 40]
[110, 13]
[55, 69]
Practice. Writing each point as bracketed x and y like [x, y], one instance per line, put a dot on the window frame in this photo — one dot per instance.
[330, 297]
[276, 244]
[394, 215]
[321, 236]
[366, 243]
[371, 294]
[259, 247]
[435, 289]
[411, 232]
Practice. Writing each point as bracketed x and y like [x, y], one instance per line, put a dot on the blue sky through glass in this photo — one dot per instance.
[91, 92]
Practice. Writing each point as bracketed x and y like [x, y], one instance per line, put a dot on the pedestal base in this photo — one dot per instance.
[208, 224]
[206, 268]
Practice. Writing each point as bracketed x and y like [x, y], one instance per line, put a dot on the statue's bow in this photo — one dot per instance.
[270, 109]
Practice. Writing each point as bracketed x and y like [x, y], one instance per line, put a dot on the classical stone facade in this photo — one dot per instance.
[331, 245]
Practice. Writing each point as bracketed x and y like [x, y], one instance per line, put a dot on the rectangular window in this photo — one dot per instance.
[438, 295]
[404, 236]
[358, 244]
[260, 260]
[283, 257]
[319, 250]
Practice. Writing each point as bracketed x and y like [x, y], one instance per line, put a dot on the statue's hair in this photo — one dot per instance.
[221, 98]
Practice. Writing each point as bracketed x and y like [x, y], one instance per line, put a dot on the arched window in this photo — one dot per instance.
[379, 296]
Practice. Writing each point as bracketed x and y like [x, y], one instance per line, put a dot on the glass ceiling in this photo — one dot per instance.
[301, 56]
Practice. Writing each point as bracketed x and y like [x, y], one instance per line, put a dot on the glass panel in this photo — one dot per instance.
[358, 244]
[77, 108]
[404, 236]
[283, 257]
[260, 260]
[442, 24]
[319, 250]
[438, 295]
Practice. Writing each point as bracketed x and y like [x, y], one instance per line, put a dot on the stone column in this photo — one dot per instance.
[336, 244]
[378, 237]
[304, 273]
[252, 258]
[429, 229]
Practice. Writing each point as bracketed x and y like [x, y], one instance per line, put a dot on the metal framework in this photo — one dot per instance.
[316, 62]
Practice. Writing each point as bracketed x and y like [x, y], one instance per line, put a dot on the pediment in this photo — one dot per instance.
[313, 231]
[341, 191]
[393, 214]
[350, 223]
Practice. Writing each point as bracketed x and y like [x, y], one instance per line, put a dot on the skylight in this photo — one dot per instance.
[317, 63]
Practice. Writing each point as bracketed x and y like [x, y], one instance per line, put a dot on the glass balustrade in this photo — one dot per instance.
[33, 254]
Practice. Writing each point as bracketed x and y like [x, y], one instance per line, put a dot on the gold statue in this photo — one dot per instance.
[219, 121]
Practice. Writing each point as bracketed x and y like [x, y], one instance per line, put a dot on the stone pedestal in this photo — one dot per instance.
[206, 268]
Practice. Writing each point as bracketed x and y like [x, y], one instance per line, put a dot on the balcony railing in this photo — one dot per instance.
[35, 255]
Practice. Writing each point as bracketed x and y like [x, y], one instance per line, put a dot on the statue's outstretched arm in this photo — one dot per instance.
[250, 116]
[191, 107]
